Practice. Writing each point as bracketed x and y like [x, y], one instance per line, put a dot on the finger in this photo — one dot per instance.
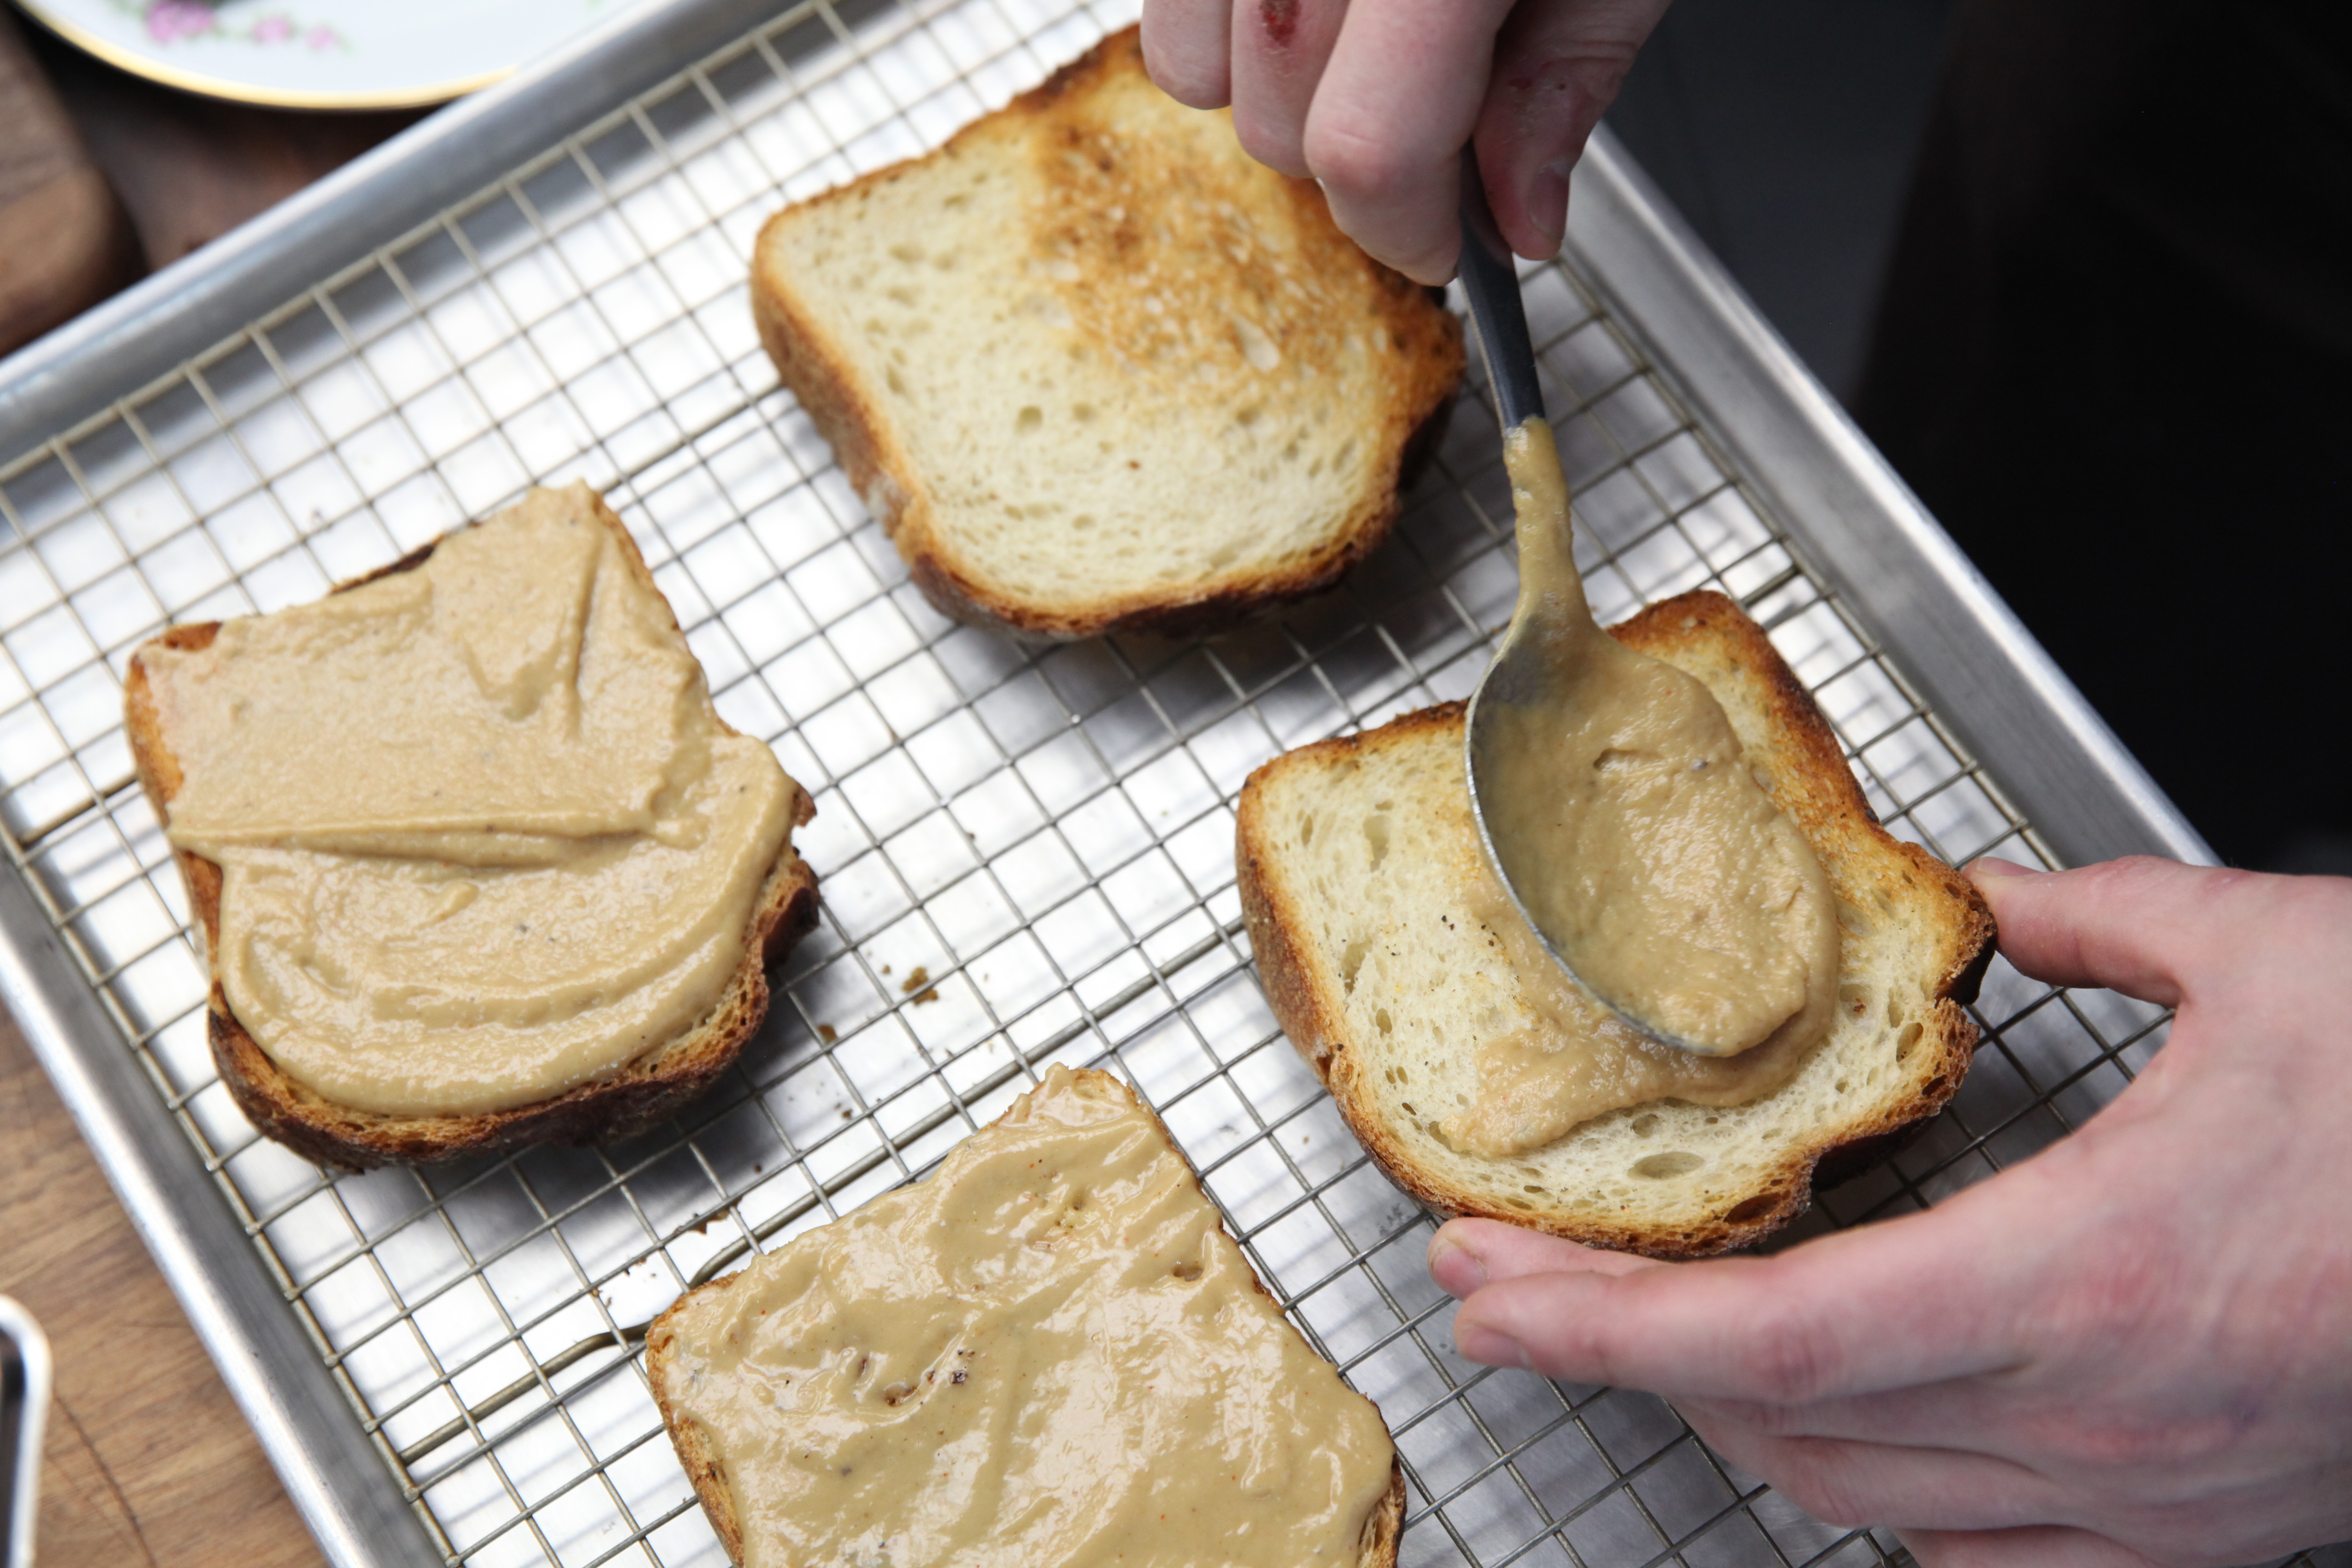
[2168, 932]
[1557, 66]
[1279, 47]
[2130, 925]
[1467, 1254]
[2037, 1546]
[1185, 49]
[1398, 98]
[1871, 1484]
[1890, 1306]
[1979, 1415]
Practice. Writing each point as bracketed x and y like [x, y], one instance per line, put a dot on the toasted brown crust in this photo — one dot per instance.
[641, 1094]
[705, 1469]
[1694, 631]
[829, 388]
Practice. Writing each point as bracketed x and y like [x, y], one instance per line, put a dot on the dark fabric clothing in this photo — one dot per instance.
[2113, 355]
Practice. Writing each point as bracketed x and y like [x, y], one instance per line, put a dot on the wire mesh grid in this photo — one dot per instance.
[1026, 854]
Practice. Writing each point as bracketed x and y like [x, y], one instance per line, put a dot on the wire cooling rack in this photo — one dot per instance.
[1026, 855]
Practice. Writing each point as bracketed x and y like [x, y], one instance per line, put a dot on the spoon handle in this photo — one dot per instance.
[1492, 283]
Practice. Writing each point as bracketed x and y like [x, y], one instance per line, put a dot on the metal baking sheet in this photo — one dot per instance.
[1027, 852]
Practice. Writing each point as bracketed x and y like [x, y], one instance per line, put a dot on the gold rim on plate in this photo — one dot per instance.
[197, 83]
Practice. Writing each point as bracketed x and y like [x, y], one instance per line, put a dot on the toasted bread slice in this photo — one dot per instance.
[1097, 369]
[648, 1089]
[685, 1344]
[1382, 983]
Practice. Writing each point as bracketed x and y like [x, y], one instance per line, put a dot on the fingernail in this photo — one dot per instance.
[1457, 1270]
[1490, 1347]
[1994, 866]
[1547, 202]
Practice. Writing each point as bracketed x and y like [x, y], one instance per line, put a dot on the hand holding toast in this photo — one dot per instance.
[2135, 1347]
[1377, 100]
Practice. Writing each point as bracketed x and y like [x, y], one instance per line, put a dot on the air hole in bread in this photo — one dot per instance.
[1382, 1020]
[897, 382]
[1854, 921]
[1225, 555]
[1305, 831]
[1907, 1037]
[1085, 520]
[1351, 959]
[1082, 412]
[1854, 999]
[1756, 1207]
[1376, 834]
[1843, 1085]
[1188, 1272]
[1645, 1124]
[1030, 417]
[1659, 1167]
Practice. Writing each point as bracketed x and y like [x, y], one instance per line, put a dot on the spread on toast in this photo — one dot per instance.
[1049, 1352]
[482, 836]
[1390, 954]
[1673, 884]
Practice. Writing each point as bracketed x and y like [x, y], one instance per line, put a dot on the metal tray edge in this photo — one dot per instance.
[331, 1470]
[1978, 666]
[212, 294]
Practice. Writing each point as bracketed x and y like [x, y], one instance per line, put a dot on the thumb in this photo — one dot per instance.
[2141, 926]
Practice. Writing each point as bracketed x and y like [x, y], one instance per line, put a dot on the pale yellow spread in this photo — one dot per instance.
[1674, 883]
[1537, 1085]
[482, 836]
[1048, 1353]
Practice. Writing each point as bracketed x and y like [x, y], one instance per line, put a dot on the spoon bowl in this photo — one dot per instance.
[1522, 698]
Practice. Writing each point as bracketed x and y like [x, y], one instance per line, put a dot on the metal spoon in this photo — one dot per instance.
[1518, 677]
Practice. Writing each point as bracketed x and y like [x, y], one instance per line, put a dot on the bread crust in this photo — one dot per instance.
[699, 1455]
[850, 416]
[645, 1092]
[1829, 808]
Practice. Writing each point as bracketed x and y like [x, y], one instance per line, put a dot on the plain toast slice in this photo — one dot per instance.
[1096, 369]
[645, 1092]
[1353, 855]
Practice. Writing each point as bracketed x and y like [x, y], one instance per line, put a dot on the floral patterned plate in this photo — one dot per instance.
[320, 54]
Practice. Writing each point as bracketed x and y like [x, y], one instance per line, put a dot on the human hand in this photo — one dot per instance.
[2135, 1347]
[1377, 99]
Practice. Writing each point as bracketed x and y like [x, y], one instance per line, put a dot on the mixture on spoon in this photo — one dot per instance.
[1672, 883]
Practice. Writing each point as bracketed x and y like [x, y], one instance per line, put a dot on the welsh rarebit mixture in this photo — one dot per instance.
[1678, 888]
[1048, 1352]
[482, 836]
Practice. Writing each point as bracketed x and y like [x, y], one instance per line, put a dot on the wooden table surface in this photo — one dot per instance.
[104, 178]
